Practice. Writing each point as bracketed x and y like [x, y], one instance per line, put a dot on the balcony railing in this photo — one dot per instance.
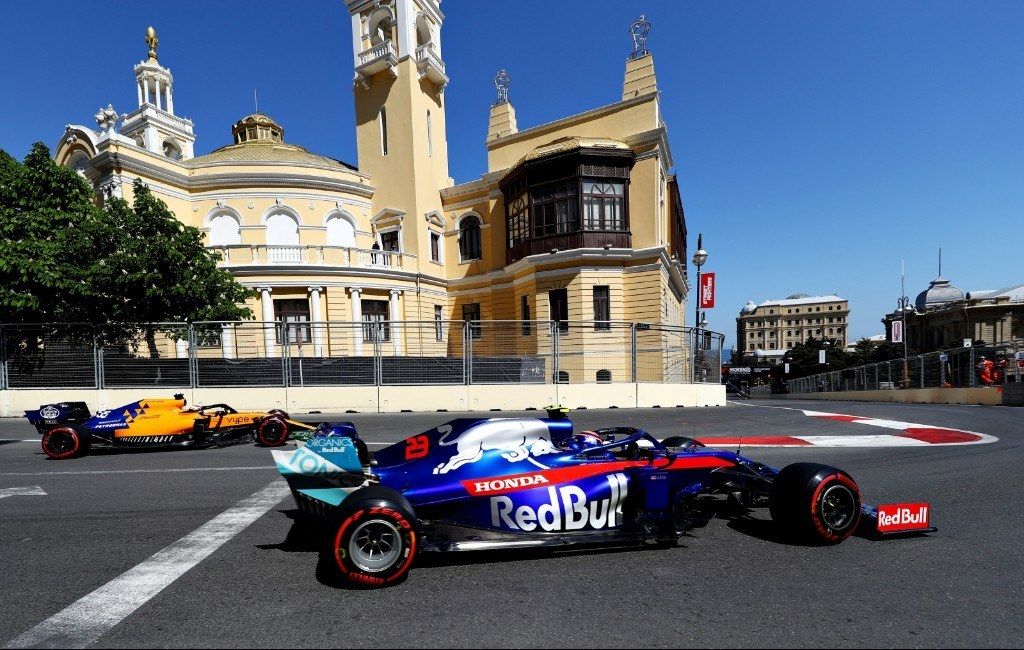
[568, 241]
[429, 63]
[377, 58]
[235, 255]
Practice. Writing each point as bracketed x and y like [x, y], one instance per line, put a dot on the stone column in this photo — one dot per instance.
[159, 100]
[170, 101]
[138, 86]
[145, 89]
[397, 323]
[357, 317]
[269, 335]
[317, 317]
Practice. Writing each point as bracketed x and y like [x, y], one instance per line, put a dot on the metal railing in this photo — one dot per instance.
[367, 353]
[973, 367]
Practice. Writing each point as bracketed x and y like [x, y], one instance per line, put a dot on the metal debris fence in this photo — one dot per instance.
[368, 353]
[973, 367]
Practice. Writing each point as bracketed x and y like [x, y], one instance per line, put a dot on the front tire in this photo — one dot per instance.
[272, 431]
[814, 503]
[372, 542]
[62, 443]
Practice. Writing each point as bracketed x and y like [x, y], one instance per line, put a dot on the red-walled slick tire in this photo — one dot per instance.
[373, 541]
[272, 431]
[61, 443]
[814, 503]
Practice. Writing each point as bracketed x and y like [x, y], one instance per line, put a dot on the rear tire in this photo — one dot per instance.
[62, 443]
[272, 431]
[813, 503]
[372, 541]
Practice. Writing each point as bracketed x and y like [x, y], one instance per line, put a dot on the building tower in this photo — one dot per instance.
[400, 116]
[153, 125]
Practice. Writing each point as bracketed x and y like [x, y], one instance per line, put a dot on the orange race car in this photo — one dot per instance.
[70, 430]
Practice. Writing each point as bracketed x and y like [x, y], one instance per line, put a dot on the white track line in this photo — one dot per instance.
[142, 471]
[93, 615]
[31, 491]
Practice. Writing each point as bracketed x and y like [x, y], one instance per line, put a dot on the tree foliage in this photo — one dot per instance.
[63, 258]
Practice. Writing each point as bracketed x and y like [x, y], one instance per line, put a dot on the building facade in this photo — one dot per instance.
[943, 316]
[578, 219]
[767, 330]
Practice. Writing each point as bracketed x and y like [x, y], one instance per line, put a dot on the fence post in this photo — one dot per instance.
[974, 377]
[193, 370]
[553, 330]
[97, 361]
[3, 359]
[378, 352]
[632, 351]
[467, 350]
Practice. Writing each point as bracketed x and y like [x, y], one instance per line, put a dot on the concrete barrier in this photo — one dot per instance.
[988, 396]
[389, 399]
[1013, 394]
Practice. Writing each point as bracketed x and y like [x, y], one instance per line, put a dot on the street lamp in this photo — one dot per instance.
[699, 257]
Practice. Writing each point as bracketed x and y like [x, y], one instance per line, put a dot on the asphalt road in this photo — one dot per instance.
[726, 585]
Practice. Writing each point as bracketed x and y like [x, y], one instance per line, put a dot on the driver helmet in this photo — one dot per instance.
[584, 440]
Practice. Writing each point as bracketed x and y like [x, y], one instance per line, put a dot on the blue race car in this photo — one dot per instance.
[476, 484]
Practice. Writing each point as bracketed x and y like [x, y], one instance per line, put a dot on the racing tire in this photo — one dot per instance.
[682, 442]
[813, 503]
[62, 443]
[283, 414]
[272, 431]
[372, 541]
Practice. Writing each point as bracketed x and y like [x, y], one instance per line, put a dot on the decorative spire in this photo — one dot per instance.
[638, 31]
[152, 41]
[502, 81]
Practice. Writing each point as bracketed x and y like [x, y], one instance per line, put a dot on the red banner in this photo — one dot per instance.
[707, 291]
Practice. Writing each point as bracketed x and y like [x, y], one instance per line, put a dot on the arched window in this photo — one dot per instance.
[379, 26]
[383, 131]
[469, 238]
[282, 238]
[79, 161]
[172, 150]
[224, 230]
[341, 231]
[604, 376]
[422, 30]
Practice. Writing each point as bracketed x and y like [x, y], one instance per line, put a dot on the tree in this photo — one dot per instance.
[64, 259]
[803, 357]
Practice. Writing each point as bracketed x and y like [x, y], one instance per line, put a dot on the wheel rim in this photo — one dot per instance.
[60, 443]
[375, 545]
[838, 507]
[273, 431]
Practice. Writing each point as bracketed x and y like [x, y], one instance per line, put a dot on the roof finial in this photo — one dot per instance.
[940, 261]
[502, 81]
[255, 100]
[638, 31]
[152, 41]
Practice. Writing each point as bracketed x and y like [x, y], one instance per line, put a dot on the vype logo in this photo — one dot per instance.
[898, 517]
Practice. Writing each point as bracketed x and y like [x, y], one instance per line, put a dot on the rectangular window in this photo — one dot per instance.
[389, 240]
[524, 307]
[558, 299]
[375, 320]
[471, 313]
[604, 206]
[602, 308]
[289, 313]
[438, 323]
[435, 246]
[555, 209]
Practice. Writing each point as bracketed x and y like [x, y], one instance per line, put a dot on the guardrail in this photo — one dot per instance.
[973, 367]
[367, 353]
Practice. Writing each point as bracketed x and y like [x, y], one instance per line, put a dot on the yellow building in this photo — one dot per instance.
[770, 329]
[575, 220]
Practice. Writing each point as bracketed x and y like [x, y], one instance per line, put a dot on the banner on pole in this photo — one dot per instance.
[897, 331]
[707, 291]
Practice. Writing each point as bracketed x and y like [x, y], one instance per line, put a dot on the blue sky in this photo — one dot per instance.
[817, 143]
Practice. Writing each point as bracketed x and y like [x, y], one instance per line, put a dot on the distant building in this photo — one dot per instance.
[767, 330]
[943, 316]
[877, 339]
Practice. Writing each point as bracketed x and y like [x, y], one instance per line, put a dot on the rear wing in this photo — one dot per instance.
[62, 413]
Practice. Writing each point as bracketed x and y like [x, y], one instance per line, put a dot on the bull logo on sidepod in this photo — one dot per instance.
[517, 440]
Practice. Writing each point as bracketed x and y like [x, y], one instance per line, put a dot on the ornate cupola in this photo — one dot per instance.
[153, 125]
[257, 128]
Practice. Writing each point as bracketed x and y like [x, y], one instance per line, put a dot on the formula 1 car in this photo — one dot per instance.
[475, 484]
[70, 430]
